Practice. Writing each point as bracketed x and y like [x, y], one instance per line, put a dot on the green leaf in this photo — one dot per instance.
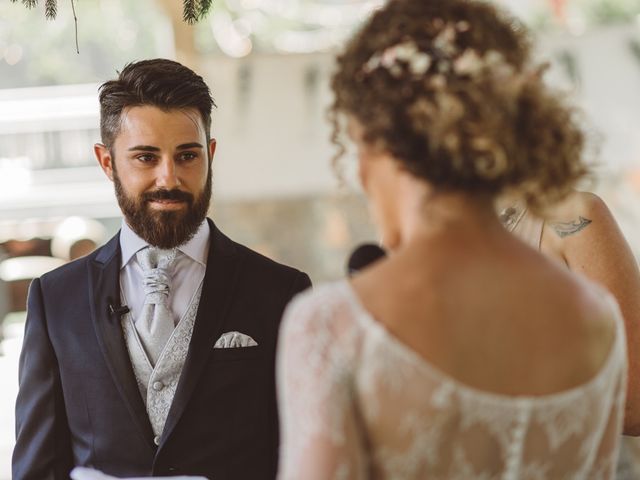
[189, 11]
[205, 6]
[51, 9]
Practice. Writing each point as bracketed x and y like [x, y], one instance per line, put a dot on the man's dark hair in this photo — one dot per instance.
[159, 82]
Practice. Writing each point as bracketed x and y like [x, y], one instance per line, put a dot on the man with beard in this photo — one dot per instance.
[154, 355]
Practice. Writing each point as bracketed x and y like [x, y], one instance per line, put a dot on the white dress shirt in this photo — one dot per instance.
[187, 272]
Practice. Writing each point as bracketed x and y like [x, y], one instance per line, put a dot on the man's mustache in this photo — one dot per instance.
[163, 194]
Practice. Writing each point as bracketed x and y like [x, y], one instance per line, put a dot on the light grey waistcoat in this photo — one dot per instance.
[158, 385]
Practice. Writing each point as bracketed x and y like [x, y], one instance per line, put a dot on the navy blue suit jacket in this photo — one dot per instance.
[79, 404]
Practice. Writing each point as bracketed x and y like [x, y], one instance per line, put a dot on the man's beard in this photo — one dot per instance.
[164, 229]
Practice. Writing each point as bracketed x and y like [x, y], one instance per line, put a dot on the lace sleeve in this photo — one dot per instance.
[320, 435]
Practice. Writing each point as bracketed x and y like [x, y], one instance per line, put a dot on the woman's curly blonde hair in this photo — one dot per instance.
[447, 89]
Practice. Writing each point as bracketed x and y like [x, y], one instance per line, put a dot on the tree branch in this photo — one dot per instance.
[75, 20]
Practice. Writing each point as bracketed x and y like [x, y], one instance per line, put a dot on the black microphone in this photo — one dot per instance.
[363, 256]
[118, 310]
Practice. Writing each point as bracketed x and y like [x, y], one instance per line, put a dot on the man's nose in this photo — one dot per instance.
[166, 174]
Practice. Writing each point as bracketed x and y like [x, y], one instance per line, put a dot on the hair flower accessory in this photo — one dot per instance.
[406, 52]
[419, 64]
[443, 48]
[469, 63]
[444, 58]
[445, 41]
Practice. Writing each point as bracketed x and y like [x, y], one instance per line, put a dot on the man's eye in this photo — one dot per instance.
[186, 156]
[146, 158]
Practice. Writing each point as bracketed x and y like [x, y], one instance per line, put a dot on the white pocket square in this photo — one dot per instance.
[80, 473]
[235, 340]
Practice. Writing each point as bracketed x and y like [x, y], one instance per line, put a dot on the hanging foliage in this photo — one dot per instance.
[50, 9]
[192, 10]
[195, 10]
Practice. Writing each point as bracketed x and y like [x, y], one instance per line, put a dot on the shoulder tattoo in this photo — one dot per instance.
[565, 229]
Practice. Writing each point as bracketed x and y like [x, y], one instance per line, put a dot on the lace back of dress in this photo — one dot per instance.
[385, 413]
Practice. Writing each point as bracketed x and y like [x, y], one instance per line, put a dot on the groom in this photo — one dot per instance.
[154, 355]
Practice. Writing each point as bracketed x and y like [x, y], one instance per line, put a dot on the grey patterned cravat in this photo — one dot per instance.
[155, 324]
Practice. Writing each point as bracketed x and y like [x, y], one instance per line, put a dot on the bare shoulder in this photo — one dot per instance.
[580, 211]
[589, 201]
[601, 317]
[581, 225]
[585, 338]
[593, 301]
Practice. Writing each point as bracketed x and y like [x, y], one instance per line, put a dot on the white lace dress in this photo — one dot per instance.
[356, 403]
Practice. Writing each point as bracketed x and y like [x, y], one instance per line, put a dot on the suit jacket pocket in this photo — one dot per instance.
[237, 353]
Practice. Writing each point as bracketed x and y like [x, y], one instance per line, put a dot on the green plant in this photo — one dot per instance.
[192, 10]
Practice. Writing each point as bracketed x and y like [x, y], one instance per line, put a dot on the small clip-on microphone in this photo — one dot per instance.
[118, 310]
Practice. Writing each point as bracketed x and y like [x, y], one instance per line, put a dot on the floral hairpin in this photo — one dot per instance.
[445, 56]
[407, 52]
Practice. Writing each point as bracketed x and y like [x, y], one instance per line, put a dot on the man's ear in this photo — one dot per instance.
[212, 149]
[103, 155]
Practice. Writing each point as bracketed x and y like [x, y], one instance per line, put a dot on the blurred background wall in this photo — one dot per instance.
[268, 63]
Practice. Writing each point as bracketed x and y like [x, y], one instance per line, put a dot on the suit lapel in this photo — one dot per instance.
[104, 280]
[217, 292]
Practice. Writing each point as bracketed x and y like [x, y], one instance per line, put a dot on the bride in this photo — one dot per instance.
[466, 353]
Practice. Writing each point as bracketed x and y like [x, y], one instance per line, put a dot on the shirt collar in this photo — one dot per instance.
[197, 248]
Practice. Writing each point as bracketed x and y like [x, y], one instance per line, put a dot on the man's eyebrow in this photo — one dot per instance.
[186, 146]
[144, 148]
